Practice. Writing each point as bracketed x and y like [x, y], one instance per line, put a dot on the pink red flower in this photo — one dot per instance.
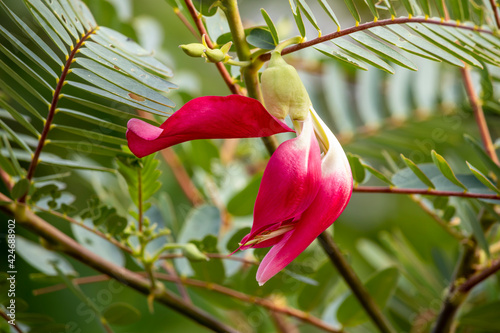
[305, 187]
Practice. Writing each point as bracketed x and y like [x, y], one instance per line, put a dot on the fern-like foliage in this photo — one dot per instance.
[62, 65]
[462, 33]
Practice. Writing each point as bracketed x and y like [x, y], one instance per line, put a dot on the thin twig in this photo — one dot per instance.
[53, 106]
[495, 12]
[454, 300]
[355, 284]
[188, 24]
[81, 225]
[182, 289]
[7, 319]
[444, 224]
[479, 115]
[63, 243]
[385, 189]
[235, 89]
[480, 276]
[368, 25]
[305, 317]
[7, 180]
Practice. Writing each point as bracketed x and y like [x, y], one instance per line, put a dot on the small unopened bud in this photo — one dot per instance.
[193, 253]
[194, 49]
[214, 55]
[283, 91]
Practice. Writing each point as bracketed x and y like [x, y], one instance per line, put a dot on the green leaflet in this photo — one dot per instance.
[416, 170]
[360, 53]
[446, 170]
[426, 46]
[270, 25]
[382, 50]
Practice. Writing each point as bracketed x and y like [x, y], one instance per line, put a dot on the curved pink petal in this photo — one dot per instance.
[210, 117]
[330, 202]
[289, 185]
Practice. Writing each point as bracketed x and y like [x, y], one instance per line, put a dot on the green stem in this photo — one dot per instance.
[355, 284]
[249, 74]
[291, 41]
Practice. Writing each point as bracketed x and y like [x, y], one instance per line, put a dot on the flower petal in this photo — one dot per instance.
[290, 182]
[210, 117]
[330, 202]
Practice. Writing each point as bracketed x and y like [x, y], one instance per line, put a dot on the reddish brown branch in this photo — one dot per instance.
[480, 276]
[188, 25]
[479, 115]
[65, 244]
[235, 89]
[305, 317]
[384, 189]
[53, 106]
[7, 319]
[495, 12]
[368, 25]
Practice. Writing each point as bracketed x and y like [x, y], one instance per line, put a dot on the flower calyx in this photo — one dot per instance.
[283, 90]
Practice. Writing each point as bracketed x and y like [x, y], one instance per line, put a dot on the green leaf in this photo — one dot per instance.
[440, 7]
[15, 136]
[114, 60]
[482, 316]
[261, 38]
[376, 173]
[483, 179]
[471, 222]
[352, 9]
[20, 46]
[360, 53]
[121, 314]
[373, 9]
[20, 189]
[19, 118]
[95, 137]
[326, 7]
[206, 7]
[123, 81]
[424, 4]
[200, 222]
[132, 96]
[485, 158]
[87, 147]
[445, 45]
[416, 170]
[18, 171]
[94, 120]
[426, 46]
[130, 50]
[271, 26]
[298, 18]
[22, 64]
[309, 14]
[312, 296]
[242, 203]
[339, 55]
[34, 36]
[445, 169]
[41, 258]
[382, 50]
[409, 7]
[358, 171]
[380, 286]
[96, 244]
